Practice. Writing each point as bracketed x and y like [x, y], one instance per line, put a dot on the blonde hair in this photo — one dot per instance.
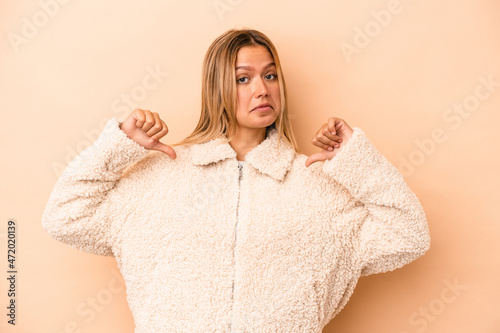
[218, 95]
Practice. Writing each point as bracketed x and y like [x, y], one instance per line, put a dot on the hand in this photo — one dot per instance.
[331, 137]
[146, 128]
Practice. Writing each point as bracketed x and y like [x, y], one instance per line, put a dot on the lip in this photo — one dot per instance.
[262, 107]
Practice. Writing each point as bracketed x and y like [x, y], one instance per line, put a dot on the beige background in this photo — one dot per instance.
[407, 69]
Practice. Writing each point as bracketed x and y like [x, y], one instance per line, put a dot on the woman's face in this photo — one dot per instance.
[256, 84]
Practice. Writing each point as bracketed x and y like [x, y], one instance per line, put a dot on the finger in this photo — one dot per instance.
[139, 117]
[324, 143]
[150, 121]
[157, 126]
[323, 146]
[333, 137]
[166, 149]
[161, 133]
[309, 161]
[335, 124]
[314, 158]
[332, 121]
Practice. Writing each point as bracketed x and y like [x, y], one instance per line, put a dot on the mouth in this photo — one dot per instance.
[263, 107]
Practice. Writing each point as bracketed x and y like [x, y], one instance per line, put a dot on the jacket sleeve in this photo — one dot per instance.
[80, 211]
[394, 229]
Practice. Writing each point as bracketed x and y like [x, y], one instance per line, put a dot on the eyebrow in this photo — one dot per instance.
[250, 67]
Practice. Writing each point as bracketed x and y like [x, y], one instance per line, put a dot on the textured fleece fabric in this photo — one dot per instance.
[280, 250]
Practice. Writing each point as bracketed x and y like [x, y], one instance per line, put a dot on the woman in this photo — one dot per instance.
[235, 230]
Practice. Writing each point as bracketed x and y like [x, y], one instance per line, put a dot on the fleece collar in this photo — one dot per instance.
[263, 157]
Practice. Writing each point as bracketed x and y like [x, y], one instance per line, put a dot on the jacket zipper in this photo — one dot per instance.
[240, 177]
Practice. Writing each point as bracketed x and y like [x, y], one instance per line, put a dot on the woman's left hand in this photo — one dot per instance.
[330, 137]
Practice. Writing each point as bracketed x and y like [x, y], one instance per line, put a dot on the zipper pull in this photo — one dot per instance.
[240, 167]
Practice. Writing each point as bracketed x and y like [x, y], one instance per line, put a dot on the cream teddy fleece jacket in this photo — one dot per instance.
[201, 250]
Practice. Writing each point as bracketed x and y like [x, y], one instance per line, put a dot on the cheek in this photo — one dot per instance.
[240, 104]
[276, 94]
[242, 98]
[239, 97]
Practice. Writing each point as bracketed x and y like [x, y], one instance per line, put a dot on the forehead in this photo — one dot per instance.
[254, 56]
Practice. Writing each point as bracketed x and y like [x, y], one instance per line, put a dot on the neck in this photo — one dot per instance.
[245, 140]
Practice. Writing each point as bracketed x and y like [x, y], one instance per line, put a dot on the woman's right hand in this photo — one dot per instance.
[146, 128]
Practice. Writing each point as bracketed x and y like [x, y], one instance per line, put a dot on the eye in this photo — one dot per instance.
[242, 78]
[271, 76]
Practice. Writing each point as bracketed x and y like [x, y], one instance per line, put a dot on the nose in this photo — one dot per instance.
[260, 88]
